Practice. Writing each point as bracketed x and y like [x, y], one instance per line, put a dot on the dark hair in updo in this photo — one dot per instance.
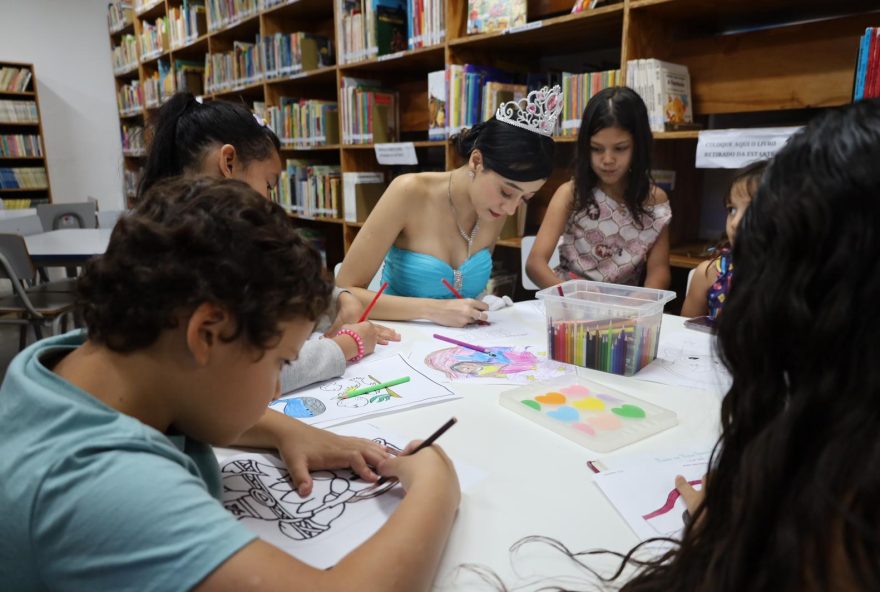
[512, 152]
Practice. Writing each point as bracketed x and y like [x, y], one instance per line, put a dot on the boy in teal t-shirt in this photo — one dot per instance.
[108, 478]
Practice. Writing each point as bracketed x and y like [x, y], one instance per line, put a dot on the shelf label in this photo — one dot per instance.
[525, 27]
[396, 153]
[735, 148]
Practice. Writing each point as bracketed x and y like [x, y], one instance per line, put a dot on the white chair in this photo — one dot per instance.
[525, 248]
[690, 279]
[375, 283]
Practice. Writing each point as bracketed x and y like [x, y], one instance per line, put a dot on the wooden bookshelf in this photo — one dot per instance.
[10, 127]
[772, 56]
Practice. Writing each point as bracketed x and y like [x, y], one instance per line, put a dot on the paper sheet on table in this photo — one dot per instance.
[504, 325]
[341, 512]
[646, 498]
[321, 405]
[503, 364]
[687, 358]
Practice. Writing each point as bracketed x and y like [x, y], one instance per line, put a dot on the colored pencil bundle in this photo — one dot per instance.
[614, 345]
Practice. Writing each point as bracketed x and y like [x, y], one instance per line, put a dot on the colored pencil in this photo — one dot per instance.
[373, 303]
[458, 295]
[478, 348]
[431, 439]
[373, 387]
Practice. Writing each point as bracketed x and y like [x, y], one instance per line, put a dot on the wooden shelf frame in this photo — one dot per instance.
[743, 56]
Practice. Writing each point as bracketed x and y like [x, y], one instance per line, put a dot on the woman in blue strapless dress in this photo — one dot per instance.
[435, 226]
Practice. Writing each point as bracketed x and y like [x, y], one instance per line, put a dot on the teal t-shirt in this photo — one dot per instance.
[93, 499]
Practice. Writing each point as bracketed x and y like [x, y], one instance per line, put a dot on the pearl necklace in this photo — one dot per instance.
[468, 238]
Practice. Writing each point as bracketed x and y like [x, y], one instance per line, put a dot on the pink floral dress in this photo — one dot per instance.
[603, 243]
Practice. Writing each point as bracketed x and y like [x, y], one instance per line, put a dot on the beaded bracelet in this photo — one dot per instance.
[357, 340]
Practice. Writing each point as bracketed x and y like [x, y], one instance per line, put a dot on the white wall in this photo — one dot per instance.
[68, 43]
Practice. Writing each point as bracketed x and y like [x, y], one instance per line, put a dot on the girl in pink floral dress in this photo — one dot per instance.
[613, 221]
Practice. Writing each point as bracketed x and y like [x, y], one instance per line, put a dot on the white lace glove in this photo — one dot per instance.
[496, 303]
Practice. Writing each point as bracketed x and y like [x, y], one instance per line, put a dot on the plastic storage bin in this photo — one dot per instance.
[605, 327]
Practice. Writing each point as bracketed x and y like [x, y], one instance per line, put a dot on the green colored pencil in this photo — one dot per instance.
[373, 387]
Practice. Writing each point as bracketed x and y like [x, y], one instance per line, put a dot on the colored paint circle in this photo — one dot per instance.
[564, 413]
[533, 404]
[604, 421]
[630, 411]
[590, 404]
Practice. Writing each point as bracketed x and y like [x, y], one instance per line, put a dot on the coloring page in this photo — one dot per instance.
[341, 512]
[646, 498]
[326, 404]
[500, 365]
[687, 358]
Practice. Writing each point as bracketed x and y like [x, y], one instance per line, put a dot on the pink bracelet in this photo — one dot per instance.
[357, 340]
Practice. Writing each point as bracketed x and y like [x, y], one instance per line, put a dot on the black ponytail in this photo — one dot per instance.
[512, 152]
[185, 128]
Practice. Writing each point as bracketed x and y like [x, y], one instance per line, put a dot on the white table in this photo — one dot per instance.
[70, 246]
[537, 481]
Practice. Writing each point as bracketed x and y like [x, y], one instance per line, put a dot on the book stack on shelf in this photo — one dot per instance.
[187, 23]
[666, 90]
[286, 54]
[309, 189]
[305, 122]
[20, 146]
[867, 83]
[473, 94]
[369, 112]
[24, 181]
[223, 14]
[131, 178]
[160, 85]
[23, 178]
[371, 28]
[243, 66]
[155, 39]
[130, 99]
[133, 140]
[426, 23]
[118, 15]
[125, 55]
[577, 90]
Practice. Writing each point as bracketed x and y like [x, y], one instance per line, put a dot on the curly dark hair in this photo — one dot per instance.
[193, 241]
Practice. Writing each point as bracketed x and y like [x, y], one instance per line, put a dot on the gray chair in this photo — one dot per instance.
[108, 218]
[68, 215]
[30, 304]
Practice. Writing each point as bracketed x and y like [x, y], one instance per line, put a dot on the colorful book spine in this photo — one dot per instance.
[303, 123]
[18, 112]
[23, 178]
[227, 13]
[118, 15]
[133, 140]
[234, 69]
[369, 113]
[21, 146]
[125, 55]
[155, 39]
[577, 90]
[130, 98]
[310, 189]
[187, 23]
[14, 79]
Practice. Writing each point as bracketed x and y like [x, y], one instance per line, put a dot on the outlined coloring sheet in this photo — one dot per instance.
[322, 404]
[341, 512]
[687, 358]
[645, 495]
[320, 529]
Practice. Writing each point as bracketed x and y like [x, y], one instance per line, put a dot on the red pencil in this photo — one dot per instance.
[373, 303]
[455, 293]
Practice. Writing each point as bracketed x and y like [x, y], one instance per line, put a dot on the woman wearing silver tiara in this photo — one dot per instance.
[429, 227]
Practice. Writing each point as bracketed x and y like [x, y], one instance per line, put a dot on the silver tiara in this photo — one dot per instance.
[537, 112]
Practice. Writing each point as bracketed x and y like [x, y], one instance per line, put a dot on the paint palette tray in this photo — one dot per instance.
[595, 416]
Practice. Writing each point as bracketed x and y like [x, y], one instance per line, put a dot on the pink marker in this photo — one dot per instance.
[478, 348]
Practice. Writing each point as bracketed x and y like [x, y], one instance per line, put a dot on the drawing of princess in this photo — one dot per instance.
[512, 364]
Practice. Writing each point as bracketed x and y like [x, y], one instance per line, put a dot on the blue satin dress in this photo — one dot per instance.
[409, 273]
